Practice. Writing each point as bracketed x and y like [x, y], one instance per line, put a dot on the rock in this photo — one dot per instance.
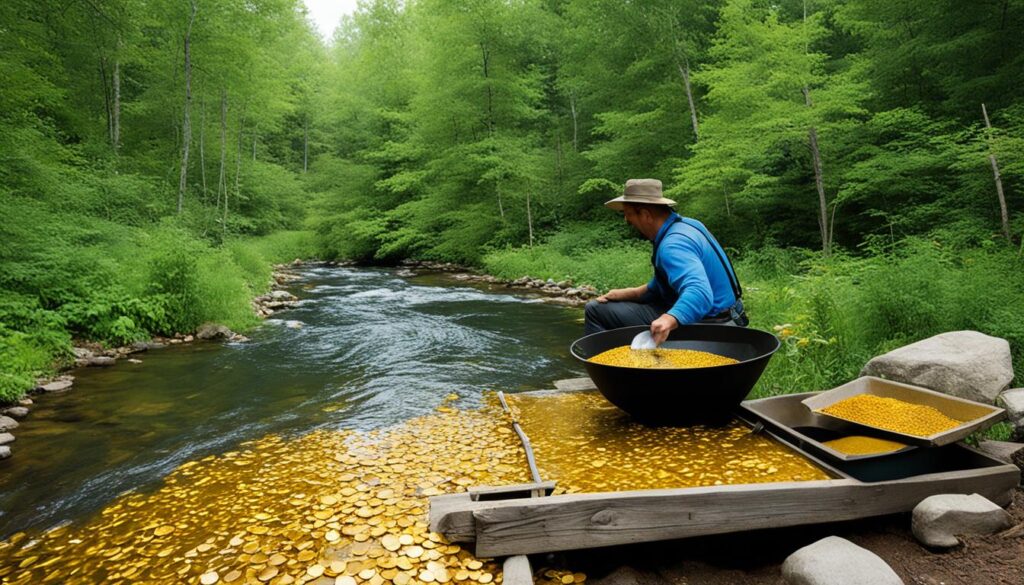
[213, 331]
[283, 295]
[134, 361]
[189, 339]
[939, 519]
[6, 438]
[1013, 401]
[237, 338]
[56, 386]
[5, 452]
[140, 346]
[837, 561]
[7, 423]
[967, 364]
[102, 361]
[175, 341]
[16, 411]
[293, 324]
[25, 402]
[82, 352]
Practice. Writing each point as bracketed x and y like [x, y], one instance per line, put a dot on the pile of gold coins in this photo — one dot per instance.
[588, 445]
[330, 507]
[861, 445]
[892, 415]
[660, 358]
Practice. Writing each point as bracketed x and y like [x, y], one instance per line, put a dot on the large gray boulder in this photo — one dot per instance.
[938, 520]
[837, 561]
[967, 364]
[5, 451]
[6, 438]
[56, 386]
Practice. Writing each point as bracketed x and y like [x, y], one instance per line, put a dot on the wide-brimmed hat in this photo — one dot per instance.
[640, 191]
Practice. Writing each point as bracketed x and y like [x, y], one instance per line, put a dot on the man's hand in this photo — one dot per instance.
[622, 294]
[662, 326]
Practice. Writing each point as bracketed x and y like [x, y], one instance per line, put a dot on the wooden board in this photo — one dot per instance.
[565, 522]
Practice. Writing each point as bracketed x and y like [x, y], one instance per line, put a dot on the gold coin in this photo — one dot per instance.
[367, 574]
[209, 578]
[414, 552]
[337, 567]
[567, 579]
[332, 536]
[391, 542]
[163, 530]
[267, 574]
[486, 578]
[305, 555]
[578, 577]
[426, 576]
[251, 547]
[461, 575]
[344, 580]
[328, 500]
[277, 559]
[257, 529]
[236, 541]
[406, 539]
[315, 571]
[232, 576]
[402, 579]
[474, 565]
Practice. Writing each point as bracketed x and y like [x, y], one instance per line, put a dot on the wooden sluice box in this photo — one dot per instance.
[534, 518]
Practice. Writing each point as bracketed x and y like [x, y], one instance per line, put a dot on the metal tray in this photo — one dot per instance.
[809, 429]
[781, 415]
[976, 416]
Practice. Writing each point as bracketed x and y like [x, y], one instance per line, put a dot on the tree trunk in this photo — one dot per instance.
[106, 99]
[238, 167]
[305, 147]
[186, 124]
[115, 108]
[529, 217]
[575, 121]
[819, 182]
[490, 95]
[254, 137]
[202, 147]
[501, 209]
[684, 70]
[1004, 214]
[222, 181]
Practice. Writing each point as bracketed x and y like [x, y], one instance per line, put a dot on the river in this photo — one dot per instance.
[374, 349]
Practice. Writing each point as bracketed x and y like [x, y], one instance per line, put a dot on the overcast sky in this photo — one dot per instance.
[327, 13]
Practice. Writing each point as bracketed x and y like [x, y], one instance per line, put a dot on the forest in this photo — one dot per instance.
[862, 160]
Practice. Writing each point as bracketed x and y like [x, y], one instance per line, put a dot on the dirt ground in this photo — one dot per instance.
[755, 558]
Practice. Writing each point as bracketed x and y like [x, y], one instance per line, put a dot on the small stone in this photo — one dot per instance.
[6, 438]
[213, 331]
[938, 520]
[134, 361]
[7, 423]
[837, 561]
[5, 452]
[82, 352]
[175, 341]
[25, 402]
[102, 361]
[293, 324]
[1013, 401]
[56, 386]
[189, 339]
[282, 295]
[16, 411]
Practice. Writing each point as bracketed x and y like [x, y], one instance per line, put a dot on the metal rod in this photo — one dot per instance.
[522, 437]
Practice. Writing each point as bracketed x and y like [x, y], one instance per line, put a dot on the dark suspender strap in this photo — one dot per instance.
[729, 272]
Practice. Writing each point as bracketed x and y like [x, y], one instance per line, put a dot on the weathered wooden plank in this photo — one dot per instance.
[510, 492]
[516, 571]
[565, 522]
[444, 514]
[575, 384]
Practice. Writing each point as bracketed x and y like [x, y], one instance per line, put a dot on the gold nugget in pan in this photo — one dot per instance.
[892, 415]
[861, 445]
[660, 358]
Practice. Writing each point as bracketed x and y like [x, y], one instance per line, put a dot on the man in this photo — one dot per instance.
[693, 282]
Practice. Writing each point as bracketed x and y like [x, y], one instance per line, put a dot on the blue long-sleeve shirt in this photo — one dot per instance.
[698, 284]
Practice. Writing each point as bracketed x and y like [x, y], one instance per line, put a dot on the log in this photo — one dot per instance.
[576, 521]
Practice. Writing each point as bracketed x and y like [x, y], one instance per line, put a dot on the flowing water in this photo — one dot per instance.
[373, 349]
